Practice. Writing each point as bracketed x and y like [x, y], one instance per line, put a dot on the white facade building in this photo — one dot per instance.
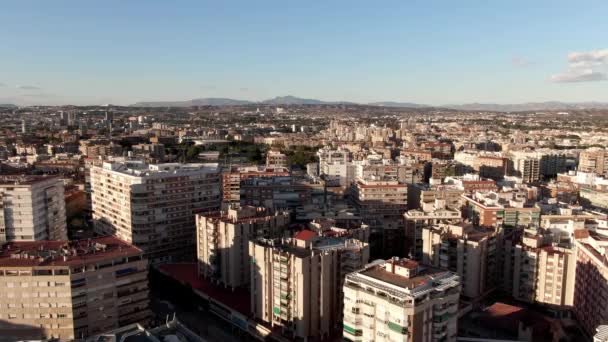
[32, 208]
[399, 300]
[153, 206]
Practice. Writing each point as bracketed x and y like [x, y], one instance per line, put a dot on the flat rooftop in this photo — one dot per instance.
[140, 169]
[424, 276]
[64, 253]
[16, 180]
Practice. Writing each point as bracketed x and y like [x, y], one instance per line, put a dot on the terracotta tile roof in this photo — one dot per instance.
[305, 235]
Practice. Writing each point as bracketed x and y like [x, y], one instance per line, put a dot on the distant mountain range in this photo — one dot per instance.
[398, 104]
[292, 100]
[211, 101]
[7, 105]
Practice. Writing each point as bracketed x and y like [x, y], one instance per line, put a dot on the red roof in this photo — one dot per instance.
[581, 234]
[507, 317]
[305, 235]
[187, 274]
[64, 253]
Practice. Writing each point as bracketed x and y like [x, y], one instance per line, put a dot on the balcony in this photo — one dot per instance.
[397, 328]
[440, 335]
[440, 311]
[351, 331]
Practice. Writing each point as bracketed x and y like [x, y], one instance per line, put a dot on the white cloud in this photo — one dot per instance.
[587, 66]
[588, 59]
[579, 75]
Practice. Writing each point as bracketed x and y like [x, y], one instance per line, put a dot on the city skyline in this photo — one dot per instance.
[434, 54]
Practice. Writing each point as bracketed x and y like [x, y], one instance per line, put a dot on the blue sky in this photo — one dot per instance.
[433, 52]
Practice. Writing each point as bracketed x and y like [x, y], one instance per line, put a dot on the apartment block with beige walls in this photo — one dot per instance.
[153, 206]
[296, 283]
[401, 300]
[222, 240]
[68, 290]
[469, 251]
[32, 208]
[543, 272]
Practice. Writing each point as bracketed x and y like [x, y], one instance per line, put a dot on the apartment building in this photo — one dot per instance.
[416, 220]
[296, 283]
[406, 173]
[469, 251]
[419, 195]
[380, 197]
[417, 155]
[594, 160]
[526, 168]
[32, 208]
[231, 179]
[95, 148]
[337, 164]
[222, 241]
[154, 152]
[530, 166]
[351, 229]
[494, 167]
[400, 300]
[153, 206]
[470, 183]
[591, 284]
[381, 203]
[438, 149]
[440, 169]
[510, 209]
[68, 290]
[275, 192]
[542, 273]
[276, 159]
[594, 196]
[88, 163]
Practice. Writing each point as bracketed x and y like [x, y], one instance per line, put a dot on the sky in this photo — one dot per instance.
[429, 52]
